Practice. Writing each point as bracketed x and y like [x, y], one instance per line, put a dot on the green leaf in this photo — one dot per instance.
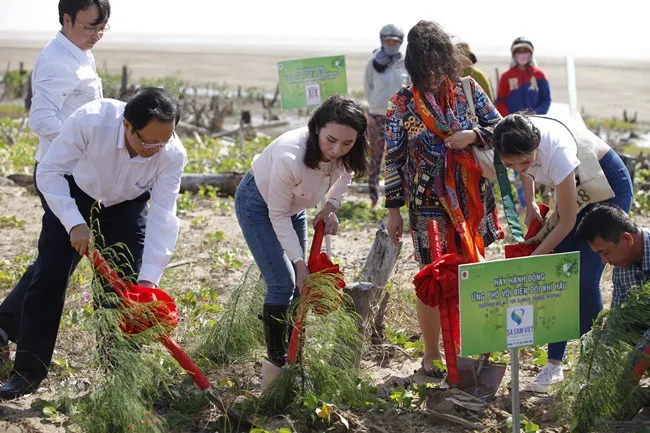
[40, 404]
[311, 401]
[438, 364]
[530, 427]
[176, 419]
[284, 430]
[49, 411]
[226, 383]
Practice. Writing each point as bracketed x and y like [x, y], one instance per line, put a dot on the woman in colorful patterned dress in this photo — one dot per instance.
[429, 163]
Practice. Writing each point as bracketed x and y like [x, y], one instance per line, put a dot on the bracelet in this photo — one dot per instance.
[335, 203]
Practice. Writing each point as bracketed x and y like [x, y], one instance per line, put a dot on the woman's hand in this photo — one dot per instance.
[330, 219]
[461, 139]
[532, 214]
[302, 272]
[395, 225]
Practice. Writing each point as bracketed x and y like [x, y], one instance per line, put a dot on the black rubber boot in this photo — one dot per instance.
[275, 333]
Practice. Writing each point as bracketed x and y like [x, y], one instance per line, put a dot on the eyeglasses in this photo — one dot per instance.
[153, 145]
[92, 31]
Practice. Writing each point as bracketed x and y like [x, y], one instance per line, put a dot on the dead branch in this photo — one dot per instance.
[453, 419]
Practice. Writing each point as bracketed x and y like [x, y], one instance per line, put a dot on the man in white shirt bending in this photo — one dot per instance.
[120, 155]
[64, 78]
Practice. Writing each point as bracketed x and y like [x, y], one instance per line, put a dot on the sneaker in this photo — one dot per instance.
[549, 376]
[270, 372]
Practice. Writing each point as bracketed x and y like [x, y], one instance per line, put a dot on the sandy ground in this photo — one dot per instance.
[605, 88]
[350, 247]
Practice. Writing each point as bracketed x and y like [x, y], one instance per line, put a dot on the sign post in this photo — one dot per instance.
[308, 82]
[513, 303]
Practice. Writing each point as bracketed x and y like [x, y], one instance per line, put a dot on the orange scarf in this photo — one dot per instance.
[442, 122]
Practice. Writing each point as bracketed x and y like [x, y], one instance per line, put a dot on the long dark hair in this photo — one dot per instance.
[515, 135]
[343, 110]
[430, 51]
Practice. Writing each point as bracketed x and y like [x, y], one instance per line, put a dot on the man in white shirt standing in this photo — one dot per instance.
[121, 155]
[64, 78]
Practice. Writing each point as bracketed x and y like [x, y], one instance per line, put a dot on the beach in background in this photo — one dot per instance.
[605, 87]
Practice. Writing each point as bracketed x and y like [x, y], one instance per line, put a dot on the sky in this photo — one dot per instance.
[582, 28]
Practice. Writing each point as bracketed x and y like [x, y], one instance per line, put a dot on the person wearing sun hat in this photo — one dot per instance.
[385, 75]
[472, 71]
[524, 86]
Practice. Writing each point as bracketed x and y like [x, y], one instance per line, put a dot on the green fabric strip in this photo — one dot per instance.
[509, 206]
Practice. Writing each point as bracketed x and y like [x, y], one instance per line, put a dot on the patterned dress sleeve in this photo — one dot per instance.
[488, 116]
[396, 153]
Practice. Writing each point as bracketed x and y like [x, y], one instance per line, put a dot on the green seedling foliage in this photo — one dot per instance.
[19, 156]
[12, 269]
[185, 202]
[12, 111]
[212, 155]
[325, 367]
[15, 82]
[171, 83]
[237, 333]
[601, 389]
[134, 375]
[111, 84]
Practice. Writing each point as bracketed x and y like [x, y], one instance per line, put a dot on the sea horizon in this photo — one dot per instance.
[256, 43]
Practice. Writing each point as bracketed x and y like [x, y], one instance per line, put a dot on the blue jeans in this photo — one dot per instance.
[277, 270]
[591, 267]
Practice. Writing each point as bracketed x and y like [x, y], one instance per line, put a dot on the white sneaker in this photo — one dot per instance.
[549, 376]
[270, 372]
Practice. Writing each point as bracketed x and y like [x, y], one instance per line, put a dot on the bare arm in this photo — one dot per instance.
[567, 205]
[532, 210]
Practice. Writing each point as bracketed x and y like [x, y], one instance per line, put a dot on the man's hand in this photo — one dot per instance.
[145, 283]
[80, 238]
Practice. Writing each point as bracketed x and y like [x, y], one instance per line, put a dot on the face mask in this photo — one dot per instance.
[390, 50]
[522, 58]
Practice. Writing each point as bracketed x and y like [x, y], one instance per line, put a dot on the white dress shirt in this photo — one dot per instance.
[91, 148]
[64, 79]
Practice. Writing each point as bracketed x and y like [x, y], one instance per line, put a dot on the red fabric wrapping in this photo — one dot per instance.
[318, 262]
[524, 249]
[158, 308]
[436, 285]
[642, 365]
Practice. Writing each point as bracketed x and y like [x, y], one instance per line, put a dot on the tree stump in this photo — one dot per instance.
[370, 298]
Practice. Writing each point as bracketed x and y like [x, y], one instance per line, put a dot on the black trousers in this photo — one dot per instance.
[43, 298]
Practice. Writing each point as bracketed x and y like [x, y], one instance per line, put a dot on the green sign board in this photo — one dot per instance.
[308, 82]
[519, 302]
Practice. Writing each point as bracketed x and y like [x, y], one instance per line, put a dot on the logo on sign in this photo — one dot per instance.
[520, 330]
[313, 94]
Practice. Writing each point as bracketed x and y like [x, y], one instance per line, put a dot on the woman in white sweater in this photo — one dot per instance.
[290, 175]
[385, 75]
